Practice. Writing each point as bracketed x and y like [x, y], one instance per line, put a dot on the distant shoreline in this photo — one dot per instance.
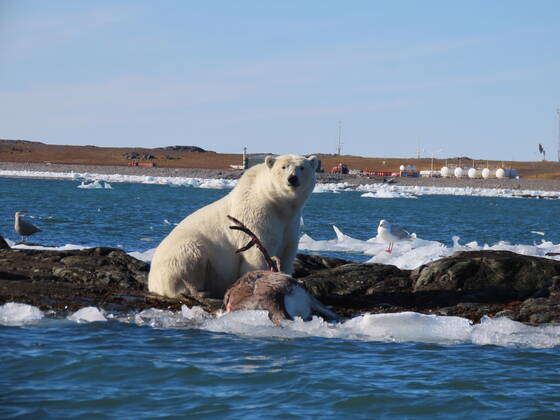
[323, 178]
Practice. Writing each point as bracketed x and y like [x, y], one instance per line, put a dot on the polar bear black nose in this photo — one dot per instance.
[293, 180]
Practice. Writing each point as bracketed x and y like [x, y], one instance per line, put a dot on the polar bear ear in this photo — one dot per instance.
[269, 160]
[314, 161]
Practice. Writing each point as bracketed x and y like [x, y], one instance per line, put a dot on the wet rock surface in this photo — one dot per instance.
[70, 280]
[467, 284]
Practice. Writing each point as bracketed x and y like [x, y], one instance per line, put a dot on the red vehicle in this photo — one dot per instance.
[371, 172]
[143, 164]
[341, 168]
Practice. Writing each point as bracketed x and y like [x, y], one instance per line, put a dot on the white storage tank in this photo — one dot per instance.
[458, 172]
[474, 173]
[500, 173]
[402, 168]
[486, 173]
[445, 172]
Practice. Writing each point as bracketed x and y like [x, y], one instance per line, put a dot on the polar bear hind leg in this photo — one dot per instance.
[183, 271]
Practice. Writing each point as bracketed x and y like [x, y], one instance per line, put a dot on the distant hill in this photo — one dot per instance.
[194, 149]
[179, 156]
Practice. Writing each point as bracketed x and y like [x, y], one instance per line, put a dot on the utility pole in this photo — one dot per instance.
[339, 142]
[558, 113]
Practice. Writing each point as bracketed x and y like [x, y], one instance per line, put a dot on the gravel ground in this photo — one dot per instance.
[122, 170]
[523, 184]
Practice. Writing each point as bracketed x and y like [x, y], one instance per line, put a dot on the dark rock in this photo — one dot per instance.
[61, 280]
[305, 264]
[3, 244]
[467, 284]
[501, 275]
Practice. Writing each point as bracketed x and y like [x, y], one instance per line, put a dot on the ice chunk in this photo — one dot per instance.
[395, 327]
[17, 314]
[88, 314]
[412, 254]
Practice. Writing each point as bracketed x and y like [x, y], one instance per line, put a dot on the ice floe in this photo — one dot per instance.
[412, 254]
[95, 185]
[387, 194]
[387, 191]
[88, 179]
[18, 314]
[88, 314]
[394, 327]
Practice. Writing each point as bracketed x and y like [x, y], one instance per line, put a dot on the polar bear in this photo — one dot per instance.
[198, 256]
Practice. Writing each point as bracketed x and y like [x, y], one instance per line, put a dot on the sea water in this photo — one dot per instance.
[189, 363]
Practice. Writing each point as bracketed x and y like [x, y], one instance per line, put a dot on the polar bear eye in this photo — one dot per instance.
[283, 167]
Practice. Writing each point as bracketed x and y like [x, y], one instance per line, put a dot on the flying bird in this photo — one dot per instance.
[392, 233]
[24, 228]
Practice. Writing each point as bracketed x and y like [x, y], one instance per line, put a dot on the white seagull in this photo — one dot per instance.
[392, 233]
[24, 228]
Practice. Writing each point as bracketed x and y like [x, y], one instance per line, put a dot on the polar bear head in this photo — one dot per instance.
[292, 176]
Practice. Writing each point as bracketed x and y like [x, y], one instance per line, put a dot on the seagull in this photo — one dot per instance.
[24, 228]
[392, 233]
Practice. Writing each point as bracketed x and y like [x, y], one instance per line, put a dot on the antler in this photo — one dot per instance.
[254, 241]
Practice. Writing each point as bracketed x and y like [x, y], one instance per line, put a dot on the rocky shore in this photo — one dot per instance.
[467, 284]
[518, 184]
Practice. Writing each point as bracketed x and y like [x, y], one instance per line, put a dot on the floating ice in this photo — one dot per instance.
[145, 256]
[412, 254]
[17, 314]
[505, 332]
[536, 232]
[67, 247]
[468, 191]
[432, 190]
[387, 191]
[161, 318]
[396, 327]
[218, 184]
[144, 179]
[95, 185]
[331, 188]
[88, 314]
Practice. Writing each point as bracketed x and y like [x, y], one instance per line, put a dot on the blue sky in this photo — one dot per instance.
[476, 78]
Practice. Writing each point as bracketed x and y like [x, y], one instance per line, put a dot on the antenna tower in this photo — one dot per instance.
[339, 142]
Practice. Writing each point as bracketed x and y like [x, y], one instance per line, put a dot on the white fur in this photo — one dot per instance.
[200, 251]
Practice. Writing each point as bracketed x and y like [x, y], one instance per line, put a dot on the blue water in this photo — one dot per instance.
[130, 213]
[59, 368]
